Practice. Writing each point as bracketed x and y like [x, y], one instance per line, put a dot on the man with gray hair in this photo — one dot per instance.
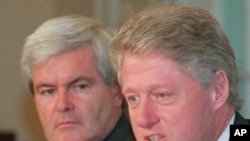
[66, 67]
[178, 74]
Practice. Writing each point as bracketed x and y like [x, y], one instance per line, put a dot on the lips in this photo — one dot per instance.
[66, 123]
[155, 137]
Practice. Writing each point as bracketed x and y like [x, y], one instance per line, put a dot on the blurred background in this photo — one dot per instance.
[19, 18]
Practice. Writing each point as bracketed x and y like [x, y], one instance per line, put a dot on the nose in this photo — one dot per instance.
[64, 102]
[147, 115]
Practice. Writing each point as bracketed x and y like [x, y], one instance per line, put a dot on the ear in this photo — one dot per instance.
[118, 98]
[220, 89]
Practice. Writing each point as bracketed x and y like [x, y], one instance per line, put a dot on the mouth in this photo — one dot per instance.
[67, 123]
[155, 137]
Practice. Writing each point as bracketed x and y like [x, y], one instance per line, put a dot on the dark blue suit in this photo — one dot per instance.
[239, 120]
[122, 131]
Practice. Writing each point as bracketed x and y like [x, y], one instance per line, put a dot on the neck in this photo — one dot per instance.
[223, 117]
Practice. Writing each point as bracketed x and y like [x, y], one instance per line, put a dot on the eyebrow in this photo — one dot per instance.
[151, 88]
[72, 82]
[128, 90]
[78, 79]
[41, 85]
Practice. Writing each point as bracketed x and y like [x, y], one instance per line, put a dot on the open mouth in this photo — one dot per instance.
[154, 137]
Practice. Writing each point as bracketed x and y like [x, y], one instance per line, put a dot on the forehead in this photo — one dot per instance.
[81, 53]
[147, 64]
[75, 62]
[145, 72]
[135, 63]
[153, 58]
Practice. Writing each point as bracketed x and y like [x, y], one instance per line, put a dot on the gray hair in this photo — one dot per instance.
[65, 33]
[190, 35]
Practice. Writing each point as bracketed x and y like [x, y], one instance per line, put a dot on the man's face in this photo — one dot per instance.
[165, 103]
[72, 99]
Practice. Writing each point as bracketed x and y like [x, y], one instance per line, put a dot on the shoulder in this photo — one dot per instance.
[240, 120]
[122, 131]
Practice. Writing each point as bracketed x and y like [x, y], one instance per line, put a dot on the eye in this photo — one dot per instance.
[46, 91]
[133, 99]
[161, 95]
[78, 88]
[81, 86]
[164, 98]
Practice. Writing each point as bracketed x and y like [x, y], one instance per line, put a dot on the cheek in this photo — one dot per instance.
[46, 118]
[185, 112]
[191, 114]
[95, 105]
[132, 117]
[84, 106]
[194, 102]
[136, 129]
[41, 108]
[43, 113]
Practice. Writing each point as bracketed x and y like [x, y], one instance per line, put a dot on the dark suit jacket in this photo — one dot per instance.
[122, 131]
[239, 120]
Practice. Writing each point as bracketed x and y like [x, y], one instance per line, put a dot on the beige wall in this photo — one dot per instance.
[17, 112]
